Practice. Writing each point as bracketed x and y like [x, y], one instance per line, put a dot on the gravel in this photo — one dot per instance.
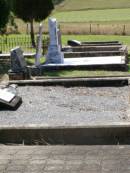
[74, 106]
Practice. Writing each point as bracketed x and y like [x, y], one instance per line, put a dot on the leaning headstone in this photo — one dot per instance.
[19, 70]
[39, 46]
[54, 56]
[18, 63]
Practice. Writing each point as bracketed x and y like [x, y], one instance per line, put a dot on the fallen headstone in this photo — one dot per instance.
[9, 99]
[74, 43]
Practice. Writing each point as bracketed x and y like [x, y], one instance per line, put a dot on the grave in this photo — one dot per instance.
[85, 43]
[19, 68]
[96, 49]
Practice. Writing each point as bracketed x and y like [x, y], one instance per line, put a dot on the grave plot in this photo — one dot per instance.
[73, 115]
[92, 43]
[96, 50]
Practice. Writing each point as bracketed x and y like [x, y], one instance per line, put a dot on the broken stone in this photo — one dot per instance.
[9, 98]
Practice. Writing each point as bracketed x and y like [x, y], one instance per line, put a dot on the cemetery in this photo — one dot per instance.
[111, 55]
[64, 124]
[32, 105]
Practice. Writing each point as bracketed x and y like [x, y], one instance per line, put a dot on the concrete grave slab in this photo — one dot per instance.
[94, 61]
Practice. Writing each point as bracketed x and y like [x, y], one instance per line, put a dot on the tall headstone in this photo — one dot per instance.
[59, 38]
[18, 63]
[39, 46]
[54, 56]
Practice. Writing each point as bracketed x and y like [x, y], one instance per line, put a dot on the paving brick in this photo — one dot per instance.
[65, 159]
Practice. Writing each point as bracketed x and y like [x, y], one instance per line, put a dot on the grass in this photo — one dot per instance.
[82, 73]
[105, 21]
[107, 15]
[93, 4]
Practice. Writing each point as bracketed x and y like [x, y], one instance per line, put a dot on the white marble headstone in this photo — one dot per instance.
[39, 46]
[54, 56]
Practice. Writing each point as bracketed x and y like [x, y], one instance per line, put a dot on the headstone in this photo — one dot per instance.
[9, 98]
[6, 95]
[54, 56]
[39, 46]
[59, 38]
[18, 63]
[74, 43]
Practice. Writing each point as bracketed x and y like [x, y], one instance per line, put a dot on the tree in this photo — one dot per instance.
[4, 13]
[33, 10]
[56, 2]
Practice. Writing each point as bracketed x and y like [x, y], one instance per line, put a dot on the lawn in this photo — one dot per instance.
[107, 15]
[83, 73]
[93, 4]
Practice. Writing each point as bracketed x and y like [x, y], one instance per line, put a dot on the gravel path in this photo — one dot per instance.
[60, 106]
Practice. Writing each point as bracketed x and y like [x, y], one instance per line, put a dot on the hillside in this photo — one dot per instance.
[93, 4]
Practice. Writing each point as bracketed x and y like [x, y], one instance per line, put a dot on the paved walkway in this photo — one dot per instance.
[65, 159]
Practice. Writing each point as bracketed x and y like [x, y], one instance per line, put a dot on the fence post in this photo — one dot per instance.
[90, 28]
[124, 30]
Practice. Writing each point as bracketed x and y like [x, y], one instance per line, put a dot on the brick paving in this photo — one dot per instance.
[64, 159]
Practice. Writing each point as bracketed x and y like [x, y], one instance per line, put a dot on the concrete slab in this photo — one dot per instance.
[90, 61]
[95, 60]
[65, 159]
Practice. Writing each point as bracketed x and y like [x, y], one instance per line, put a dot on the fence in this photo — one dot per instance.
[7, 42]
[95, 29]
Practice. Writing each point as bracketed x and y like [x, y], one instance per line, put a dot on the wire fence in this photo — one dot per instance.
[9, 42]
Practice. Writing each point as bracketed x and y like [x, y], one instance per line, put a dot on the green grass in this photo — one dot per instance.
[93, 4]
[107, 15]
[82, 73]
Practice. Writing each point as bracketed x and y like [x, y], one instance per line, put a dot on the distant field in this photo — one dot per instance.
[107, 15]
[108, 21]
[93, 4]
